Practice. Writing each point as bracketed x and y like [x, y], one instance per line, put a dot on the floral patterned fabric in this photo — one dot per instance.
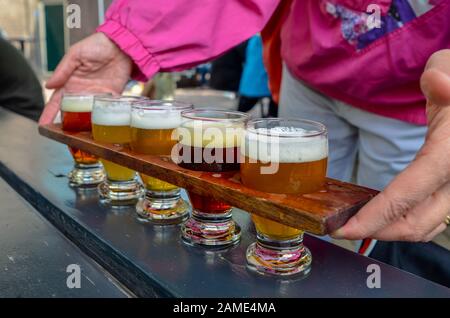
[355, 27]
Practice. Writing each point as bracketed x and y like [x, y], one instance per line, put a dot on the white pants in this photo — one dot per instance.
[383, 146]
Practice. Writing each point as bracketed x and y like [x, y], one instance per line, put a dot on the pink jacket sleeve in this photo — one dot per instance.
[171, 35]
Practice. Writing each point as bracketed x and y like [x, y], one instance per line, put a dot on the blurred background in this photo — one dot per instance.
[38, 29]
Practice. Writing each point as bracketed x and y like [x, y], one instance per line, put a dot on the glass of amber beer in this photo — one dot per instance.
[76, 116]
[209, 141]
[111, 118]
[285, 156]
[153, 132]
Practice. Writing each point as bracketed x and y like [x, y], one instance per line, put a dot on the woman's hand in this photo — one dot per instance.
[414, 206]
[94, 64]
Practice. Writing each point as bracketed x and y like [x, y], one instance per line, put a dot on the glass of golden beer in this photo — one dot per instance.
[76, 116]
[285, 156]
[209, 141]
[111, 118]
[153, 132]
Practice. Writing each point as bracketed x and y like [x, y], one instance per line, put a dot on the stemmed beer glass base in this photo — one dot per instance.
[279, 258]
[86, 175]
[162, 208]
[211, 230]
[120, 192]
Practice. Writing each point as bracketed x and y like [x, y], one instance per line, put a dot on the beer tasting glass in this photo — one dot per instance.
[76, 116]
[285, 156]
[111, 117]
[153, 132]
[209, 141]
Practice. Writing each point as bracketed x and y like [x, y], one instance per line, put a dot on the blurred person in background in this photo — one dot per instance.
[3, 33]
[254, 85]
[20, 89]
[226, 70]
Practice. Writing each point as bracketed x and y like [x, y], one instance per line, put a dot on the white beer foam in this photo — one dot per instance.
[205, 134]
[284, 145]
[112, 116]
[77, 104]
[156, 119]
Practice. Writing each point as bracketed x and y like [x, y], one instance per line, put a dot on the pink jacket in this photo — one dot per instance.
[328, 44]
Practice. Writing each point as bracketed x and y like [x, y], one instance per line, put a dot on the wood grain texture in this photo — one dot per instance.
[319, 213]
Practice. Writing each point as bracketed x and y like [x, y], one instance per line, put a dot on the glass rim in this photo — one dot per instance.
[322, 129]
[158, 104]
[193, 115]
[118, 99]
[85, 95]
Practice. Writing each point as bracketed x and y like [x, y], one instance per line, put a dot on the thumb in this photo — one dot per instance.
[51, 108]
[435, 81]
[64, 70]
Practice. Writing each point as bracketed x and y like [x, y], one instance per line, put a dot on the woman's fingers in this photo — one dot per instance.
[51, 108]
[438, 230]
[413, 204]
[64, 70]
[436, 87]
[435, 81]
[424, 176]
[439, 60]
[423, 222]
[391, 235]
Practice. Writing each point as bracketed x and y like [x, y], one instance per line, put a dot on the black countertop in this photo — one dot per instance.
[152, 261]
[34, 256]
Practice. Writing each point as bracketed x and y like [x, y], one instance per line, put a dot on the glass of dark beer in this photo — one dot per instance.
[209, 140]
[285, 156]
[76, 116]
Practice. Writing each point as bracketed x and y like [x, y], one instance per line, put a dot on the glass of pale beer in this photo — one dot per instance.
[285, 156]
[209, 140]
[76, 116]
[153, 132]
[111, 118]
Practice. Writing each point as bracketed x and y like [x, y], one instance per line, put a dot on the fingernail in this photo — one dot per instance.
[338, 234]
